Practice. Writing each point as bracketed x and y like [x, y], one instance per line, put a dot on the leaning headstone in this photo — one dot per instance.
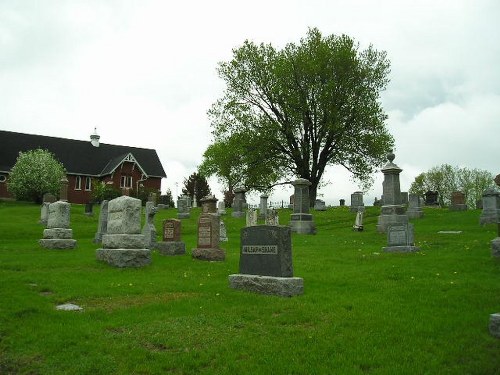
[208, 239]
[494, 326]
[491, 207]
[458, 201]
[239, 202]
[266, 262]
[171, 244]
[183, 208]
[103, 222]
[58, 234]
[301, 220]
[44, 213]
[356, 201]
[319, 205]
[431, 198]
[251, 217]
[400, 239]
[392, 211]
[149, 229]
[414, 210]
[358, 223]
[123, 245]
[272, 217]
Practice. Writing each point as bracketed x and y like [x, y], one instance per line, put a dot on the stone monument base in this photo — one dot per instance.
[57, 243]
[494, 325]
[270, 285]
[385, 220]
[458, 207]
[119, 241]
[302, 224]
[58, 233]
[210, 254]
[400, 249]
[125, 257]
[171, 247]
[495, 247]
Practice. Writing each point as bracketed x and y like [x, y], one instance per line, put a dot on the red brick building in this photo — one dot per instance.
[86, 162]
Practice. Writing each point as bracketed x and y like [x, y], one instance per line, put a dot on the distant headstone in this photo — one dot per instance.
[58, 234]
[103, 222]
[431, 198]
[239, 202]
[209, 204]
[183, 207]
[222, 232]
[263, 207]
[414, 210]
[266, 262]
[319, 205]
[63, 193]
[491, 207]
[89, 209]
[49, 198]
[356, 201]
[377, 202]
[149, 229]
[251, 217]
[272, 217]
[301, 220]
[171, 244]
[123, 245]
[44, 213]
[221, 208]
[404, 197]
[208, 239]
[342, 202]
[400, 238]
[494, 325]
[458, 201]
[358, 223]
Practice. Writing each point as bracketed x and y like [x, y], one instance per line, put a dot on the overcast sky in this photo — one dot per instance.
[144, 73]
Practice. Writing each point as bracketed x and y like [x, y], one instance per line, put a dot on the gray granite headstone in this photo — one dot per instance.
[58, 234]
[44, 213]
[319, 205]
[263, 207]
[239, 202]
[301, 221]
[272, 217]
[183, 207]
[356, 201]
[103, 222]
[149, 229]
[414, 210]
[494, 326]
[491, 207]
[400, 238]
[251, 217]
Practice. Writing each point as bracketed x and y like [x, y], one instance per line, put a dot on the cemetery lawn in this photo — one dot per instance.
[363, 311]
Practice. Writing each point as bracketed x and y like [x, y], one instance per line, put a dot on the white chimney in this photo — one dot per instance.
[94, 138]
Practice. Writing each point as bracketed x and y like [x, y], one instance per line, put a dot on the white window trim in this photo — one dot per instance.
[89, 180]
[78, 183]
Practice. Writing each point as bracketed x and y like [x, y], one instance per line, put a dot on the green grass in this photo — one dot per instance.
[363, 311]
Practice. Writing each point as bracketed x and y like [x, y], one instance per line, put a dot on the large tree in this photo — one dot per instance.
[196, 186]
[35, 173]
[302, 108]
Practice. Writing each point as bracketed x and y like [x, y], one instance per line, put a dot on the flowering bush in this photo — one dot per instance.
[35, 173]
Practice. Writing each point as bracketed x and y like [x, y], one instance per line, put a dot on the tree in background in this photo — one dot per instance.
[167, 199]
[298, 110]
[196, 186]
[446, 179]
[35, 173]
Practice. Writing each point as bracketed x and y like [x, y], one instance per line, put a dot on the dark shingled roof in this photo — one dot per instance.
[78, 157]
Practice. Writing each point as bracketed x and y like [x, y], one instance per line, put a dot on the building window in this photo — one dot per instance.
[2, 178]
[126, 181]
[88, 183]
[78, 183]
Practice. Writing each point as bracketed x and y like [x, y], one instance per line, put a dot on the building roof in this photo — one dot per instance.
[78, 157]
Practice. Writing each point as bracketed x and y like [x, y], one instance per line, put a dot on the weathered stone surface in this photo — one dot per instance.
[183, 207]
[60, 233]
[123, 241]
[356, 201]
[277, 286]
[44, 213]
[69, 307]
[125, 257]
[301, 221]
[102, 227]
[239, 202]
[491, 207]
[209, 254]
[59, 214]
[394, 214]
[494, 325]
[171, 248]
[149, 229]
[400, 239]
[57, 243]
[495, 247]
[414, 210]
[124, 215]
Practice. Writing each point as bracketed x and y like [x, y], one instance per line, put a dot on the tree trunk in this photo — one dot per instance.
[313, 192]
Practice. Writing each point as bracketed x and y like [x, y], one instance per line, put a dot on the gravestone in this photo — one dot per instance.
[400, 238]
[89, 209]
[183, 207]
[342, 202]
[149, 229]
[222, 232]
[356, 201]
[58, 234]
[44, 213]
[494, 325]
[301, 220]
[263, 207]
[208, 239]
[358, 223]
[171, 244]
[251, 217]
[392, 211]
[123, 245]
[266, 262]
[209, 204]
[239, 202]
[63, 192]
[103, 222]
[495, 243]
[431, 198]
[272, 217]
[491, 207]
[49, 198]
[292, 199]
[458, 201]
[319, 205]
[377, 202]
[221, 208]
[414, 210]
[404, 197]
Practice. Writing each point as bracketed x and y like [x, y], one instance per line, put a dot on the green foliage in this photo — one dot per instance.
[35, 173]
[196, 186]
[446, 179]
[167, 199]
[363, 311]
[103, 191]
[297, 110]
